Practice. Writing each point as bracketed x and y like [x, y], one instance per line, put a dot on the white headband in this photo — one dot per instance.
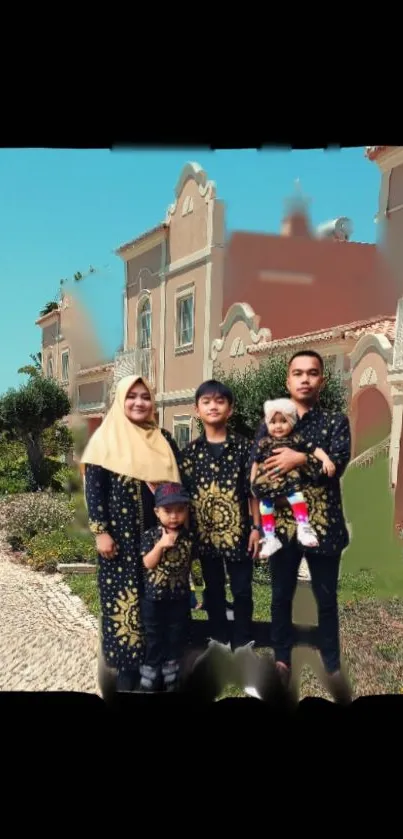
[281, 406]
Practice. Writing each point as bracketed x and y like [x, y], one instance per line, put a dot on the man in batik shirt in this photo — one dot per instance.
[331, 432]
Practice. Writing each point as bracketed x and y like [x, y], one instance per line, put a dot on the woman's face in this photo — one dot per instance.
[138, 404]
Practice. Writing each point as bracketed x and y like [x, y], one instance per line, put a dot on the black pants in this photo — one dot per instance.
[240, 575]
[166, 624]
[324, 572]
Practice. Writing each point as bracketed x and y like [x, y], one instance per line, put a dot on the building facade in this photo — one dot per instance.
[184, 287]
[173, 299]
[389, 159]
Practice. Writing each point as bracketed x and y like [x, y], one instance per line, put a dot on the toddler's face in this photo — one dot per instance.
[172, 517]
[279, 426]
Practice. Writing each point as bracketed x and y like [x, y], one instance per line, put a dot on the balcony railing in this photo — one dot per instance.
[91, 407]
[135, 362]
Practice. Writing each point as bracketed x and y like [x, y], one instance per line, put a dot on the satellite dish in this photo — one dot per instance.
[339, 228]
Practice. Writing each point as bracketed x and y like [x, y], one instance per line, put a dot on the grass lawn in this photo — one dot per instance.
[370, 593]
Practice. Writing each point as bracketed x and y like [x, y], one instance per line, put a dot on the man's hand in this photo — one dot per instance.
[284, 460]
[253, 546]
[168, 538]
[105, 546]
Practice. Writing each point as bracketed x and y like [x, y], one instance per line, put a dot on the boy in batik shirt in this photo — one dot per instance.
[166, 552]
[216, 473]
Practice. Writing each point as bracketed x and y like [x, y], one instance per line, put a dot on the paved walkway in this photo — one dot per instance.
[48, 640]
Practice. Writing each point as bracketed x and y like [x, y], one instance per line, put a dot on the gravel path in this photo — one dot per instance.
[48, 640]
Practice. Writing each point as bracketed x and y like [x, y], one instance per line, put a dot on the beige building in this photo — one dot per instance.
[172, 311]
[184, 312]
[173, 299]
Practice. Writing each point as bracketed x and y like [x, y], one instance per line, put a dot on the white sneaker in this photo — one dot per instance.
[306, 535]
[247, 670]
[269, 546]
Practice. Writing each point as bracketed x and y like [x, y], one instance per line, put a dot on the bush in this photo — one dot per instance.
[256, 383]
[66, 479]
[13, 485]
[46, 550]
[13, 468]
[57, 440]
[23, 516]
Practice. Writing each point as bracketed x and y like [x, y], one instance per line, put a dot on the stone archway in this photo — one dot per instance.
[371, 418]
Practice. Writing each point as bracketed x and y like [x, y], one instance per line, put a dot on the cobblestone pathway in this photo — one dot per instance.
[48, 641]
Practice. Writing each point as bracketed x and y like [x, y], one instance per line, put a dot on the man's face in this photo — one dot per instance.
[305, 379]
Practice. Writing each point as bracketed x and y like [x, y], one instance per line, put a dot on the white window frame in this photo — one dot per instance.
[181, 294]
[185, 421]
[145, 298]
[49, 368]
[64, 353]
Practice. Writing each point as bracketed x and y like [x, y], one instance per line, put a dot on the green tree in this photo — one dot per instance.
[51, 306]
[26, 413]
[253, 385]
[34, 369]
[57, 440]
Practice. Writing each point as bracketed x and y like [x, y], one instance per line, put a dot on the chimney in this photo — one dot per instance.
[296, 221]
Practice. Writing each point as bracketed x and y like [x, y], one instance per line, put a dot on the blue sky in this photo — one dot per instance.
[61, 211]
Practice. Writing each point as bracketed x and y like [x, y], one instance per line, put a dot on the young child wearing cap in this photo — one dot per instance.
[281, 417]
[166, 552]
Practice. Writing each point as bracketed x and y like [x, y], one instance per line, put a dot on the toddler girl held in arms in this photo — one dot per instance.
[281, 417]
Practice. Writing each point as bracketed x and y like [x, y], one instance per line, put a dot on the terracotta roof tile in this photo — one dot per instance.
[372, 152]
[381, 324]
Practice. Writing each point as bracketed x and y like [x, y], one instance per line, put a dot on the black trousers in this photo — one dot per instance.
[324, 572]
[240, 574]
[166, 624]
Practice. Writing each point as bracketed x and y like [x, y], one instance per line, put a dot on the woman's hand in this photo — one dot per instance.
[105, 546]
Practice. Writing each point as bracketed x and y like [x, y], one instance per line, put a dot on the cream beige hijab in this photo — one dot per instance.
[138, 451]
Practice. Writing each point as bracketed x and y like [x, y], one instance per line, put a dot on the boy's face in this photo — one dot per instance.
[279, 426]
[173, 516]
[213, 409]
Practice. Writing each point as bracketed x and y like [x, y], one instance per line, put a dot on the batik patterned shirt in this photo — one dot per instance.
[272, 486]
[169, 580]
[329, 431]
[217, 479]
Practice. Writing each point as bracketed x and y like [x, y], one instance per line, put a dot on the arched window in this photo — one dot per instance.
[144, 336]
[144, 324]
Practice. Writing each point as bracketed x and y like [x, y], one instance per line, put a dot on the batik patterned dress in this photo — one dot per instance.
[124, 508]
[331, 431]
[272, 486]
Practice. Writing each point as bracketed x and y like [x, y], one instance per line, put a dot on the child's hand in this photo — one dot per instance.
[168, 538]
[329, 467]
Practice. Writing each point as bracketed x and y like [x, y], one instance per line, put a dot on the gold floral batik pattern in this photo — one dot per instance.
[169, 580]
[218, 516]
[316, 499]
[272, 486]
[331, 432]
[115, 507]
[219, 489]
[125, 615]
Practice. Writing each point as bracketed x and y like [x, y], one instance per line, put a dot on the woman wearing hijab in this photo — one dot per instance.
[127, 456]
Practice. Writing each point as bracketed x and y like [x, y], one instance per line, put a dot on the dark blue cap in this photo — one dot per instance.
[168, 494]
